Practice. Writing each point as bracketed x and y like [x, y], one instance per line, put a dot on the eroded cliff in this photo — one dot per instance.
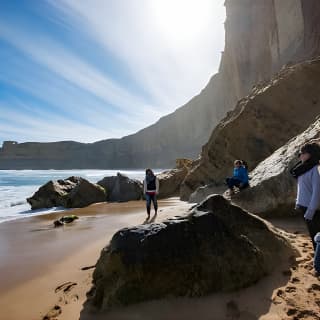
[261, 37]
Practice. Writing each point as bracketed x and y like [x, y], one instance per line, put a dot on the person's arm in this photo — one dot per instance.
[157, 185]
[315, 198]
[144, 186]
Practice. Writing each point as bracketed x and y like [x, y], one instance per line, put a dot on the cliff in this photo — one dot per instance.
[177, 135]
[261, 37]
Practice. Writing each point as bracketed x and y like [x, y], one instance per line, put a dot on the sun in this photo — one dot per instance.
[183, 21]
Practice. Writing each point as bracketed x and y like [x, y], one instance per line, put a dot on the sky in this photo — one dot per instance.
[89, 70]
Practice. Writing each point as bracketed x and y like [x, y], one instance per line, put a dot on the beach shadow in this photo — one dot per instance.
[150, 219]
[153, 219]
[146, 221]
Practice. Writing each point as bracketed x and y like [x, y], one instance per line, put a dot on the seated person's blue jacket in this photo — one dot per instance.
[241, 174]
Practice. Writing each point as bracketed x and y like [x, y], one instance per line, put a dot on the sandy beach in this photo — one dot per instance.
[47, 271]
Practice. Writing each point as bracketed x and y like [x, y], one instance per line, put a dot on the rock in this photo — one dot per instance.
[120, 188]
[216, 247]
[73, 192]
[182, 163]
[203, 192]
[273, 189]
[65, 220]
[260, 123]
[170, 182]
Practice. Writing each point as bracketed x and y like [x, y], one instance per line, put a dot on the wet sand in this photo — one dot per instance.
[41, 272]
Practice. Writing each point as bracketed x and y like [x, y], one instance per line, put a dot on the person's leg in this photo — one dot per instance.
[155, 203]
[148, 203]
[232, 182]
[314, 227]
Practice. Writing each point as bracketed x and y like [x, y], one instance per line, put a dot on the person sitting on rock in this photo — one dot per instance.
[240, 177]
[151, 189]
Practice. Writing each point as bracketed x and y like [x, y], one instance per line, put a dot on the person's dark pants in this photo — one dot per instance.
[312, 225]
[153, 198]
[233, 182]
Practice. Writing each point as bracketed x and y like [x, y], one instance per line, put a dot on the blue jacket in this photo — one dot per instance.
[241, 174]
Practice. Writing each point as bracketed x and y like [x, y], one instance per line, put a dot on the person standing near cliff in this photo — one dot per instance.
[151, 189]
[307, 173]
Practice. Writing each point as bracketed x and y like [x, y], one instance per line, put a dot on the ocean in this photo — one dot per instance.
[17, 185]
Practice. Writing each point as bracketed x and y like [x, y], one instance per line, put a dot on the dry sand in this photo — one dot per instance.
[41, 272]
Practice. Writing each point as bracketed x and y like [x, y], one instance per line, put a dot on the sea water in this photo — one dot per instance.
[17, 185]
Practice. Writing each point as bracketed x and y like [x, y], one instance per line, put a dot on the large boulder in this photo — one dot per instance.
[260, 123]
[73, 192]
[216, 247]
[273, 189]
[170, 182]
[120, 188]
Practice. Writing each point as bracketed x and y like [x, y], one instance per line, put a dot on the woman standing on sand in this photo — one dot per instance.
[151, 189]
[307, 172]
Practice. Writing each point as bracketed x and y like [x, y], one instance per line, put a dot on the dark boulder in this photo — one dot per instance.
[73, 192]
[120, 188]
[216, 247]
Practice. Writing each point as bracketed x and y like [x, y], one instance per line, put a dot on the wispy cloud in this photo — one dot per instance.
[88, 71]
[172, 73]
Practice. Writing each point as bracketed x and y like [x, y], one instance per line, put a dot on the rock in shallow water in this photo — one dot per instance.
[216, 247]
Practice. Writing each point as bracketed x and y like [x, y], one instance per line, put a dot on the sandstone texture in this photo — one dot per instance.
[120, 188]
[73, 192]
[285, 32]
[216, 247]
[170, 181]
[260, 123]
[273, 189]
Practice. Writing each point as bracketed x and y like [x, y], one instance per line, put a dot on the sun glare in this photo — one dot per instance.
[184, 20]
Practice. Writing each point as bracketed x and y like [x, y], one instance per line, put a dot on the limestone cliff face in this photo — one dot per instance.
[180, 134]
[260, 123]
[261, 36]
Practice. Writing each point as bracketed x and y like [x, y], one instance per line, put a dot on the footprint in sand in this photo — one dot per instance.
[65, 287]
[292, 311]
[281, 294]
[53, 313]
[290, 289]
[89, 267]
[295, 280]
[314, 287]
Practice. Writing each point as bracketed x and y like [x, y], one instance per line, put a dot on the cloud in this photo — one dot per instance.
[128, 74]
[171, 73]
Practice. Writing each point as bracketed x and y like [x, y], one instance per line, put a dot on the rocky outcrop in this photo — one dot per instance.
[285, 31]
[216, 247]
[260, 123]
[73, 192]
[120, 188]
[273, 189]
[170, 181]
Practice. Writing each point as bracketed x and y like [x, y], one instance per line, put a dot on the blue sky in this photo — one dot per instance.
[91, 70]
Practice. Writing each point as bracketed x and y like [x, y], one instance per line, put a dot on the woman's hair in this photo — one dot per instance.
[237, 162]
[313, 148]
[149, 170]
